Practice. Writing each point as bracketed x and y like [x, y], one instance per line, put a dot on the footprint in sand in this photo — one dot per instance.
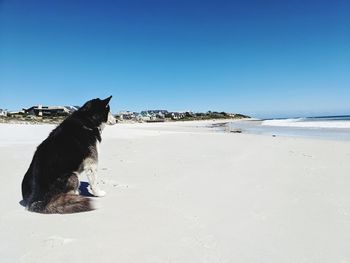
[57, 241]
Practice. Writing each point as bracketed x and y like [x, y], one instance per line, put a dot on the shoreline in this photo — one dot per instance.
[231, 126]
[258, 127]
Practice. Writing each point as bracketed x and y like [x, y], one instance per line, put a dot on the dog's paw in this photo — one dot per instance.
[98, 192]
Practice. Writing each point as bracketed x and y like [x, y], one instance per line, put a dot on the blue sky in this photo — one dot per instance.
[262, 58]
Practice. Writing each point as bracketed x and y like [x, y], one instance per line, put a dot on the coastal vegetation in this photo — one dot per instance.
[36, 117]
[212, 115]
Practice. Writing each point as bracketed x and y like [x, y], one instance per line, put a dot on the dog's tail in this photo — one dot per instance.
[62, 204]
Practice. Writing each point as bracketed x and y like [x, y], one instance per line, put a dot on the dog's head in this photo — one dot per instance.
[98, 111]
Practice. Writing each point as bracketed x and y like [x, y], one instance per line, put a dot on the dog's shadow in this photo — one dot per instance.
[83, 190]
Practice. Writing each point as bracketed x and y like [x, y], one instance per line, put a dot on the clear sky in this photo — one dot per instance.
[262, 58]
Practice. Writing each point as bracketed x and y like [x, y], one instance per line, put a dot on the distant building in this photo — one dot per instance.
[152, 115]
[15, 113]
[143, 116]
[127, 115]
[3, 113]
[155, 112]
[72, 108]
[51, 111]
[177, 115]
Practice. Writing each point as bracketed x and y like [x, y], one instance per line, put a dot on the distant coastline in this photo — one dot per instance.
[33, 117]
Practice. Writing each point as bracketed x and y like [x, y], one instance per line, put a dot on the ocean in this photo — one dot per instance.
[323, 127]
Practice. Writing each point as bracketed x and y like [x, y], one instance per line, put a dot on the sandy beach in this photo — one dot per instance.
[183, 192]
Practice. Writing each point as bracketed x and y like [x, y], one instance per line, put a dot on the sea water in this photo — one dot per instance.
[325, 127]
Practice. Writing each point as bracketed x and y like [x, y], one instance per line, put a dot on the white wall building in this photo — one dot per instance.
[3, 113]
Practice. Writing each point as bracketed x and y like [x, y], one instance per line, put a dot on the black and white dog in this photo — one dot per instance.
[51, 182]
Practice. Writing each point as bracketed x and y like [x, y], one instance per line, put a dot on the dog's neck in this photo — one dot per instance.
[96, 131]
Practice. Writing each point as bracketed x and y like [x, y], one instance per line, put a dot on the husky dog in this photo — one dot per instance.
[51, 183]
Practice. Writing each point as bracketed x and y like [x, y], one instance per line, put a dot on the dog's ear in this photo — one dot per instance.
[106, 101]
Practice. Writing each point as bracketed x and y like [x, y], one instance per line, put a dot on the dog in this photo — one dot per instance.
[51, 184]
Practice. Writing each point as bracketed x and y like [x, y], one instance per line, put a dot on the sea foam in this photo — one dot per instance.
[307, 123]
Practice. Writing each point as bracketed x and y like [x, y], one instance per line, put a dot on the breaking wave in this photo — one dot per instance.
[308, 123]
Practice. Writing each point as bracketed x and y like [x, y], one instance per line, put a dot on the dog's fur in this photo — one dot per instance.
[51, 182]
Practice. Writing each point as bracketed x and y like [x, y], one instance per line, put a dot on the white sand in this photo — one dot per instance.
[178, 192]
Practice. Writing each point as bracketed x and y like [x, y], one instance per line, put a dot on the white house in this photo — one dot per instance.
[3, 113]
[126, 115]
[41, 110]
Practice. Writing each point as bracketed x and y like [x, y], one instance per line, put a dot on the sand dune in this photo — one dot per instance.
[182, 192]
